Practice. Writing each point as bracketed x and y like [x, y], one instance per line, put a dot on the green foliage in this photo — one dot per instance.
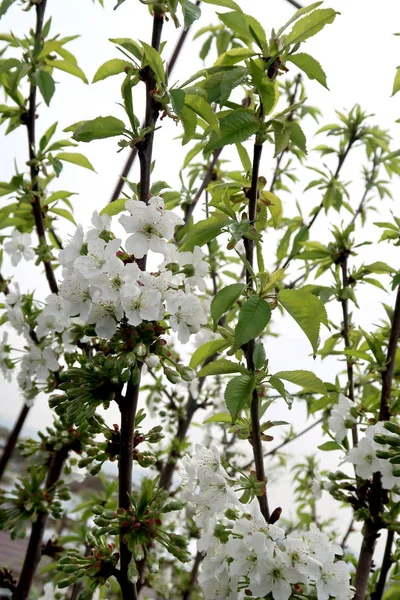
[307, 310]
[224, 300]
[96, 129]
[254, 316]
[238, 394]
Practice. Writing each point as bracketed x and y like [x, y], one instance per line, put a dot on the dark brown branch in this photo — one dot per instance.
[374, 523]
[128, 405]
[132, 156]
[193, 576]
[4, 285]
[128, 408]
[385, 568]
[34, 550]
[34, 169]
[248, 348]
[13, 438]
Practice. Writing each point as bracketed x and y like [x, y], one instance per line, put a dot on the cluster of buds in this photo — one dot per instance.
[109, 448]
[98, 564]
[93, 383]
[28, 499]
[392, 453]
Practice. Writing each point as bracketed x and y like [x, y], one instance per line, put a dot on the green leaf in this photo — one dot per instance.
[191, 13]
[110, 68]
[178, 100]
[330, 446]
[63, 213]
[310, 66]
[310, 25]
[282, 135]
[155, 62]
[46, 137]
[68, 67]
[202, 108]
[189, 122]
[259, 356]
[46, 85]
[238, 393]
[237, 126]
[264, 86]
[221, 417]
[396, 82]
[307, 310]
[244, 158]
[204, 231]
[99, 128]
[224, 3]
[114, 208]
[297, 136]
[5, 5]
[207, 350]
[306, 379]
[76, 159]
[299, 13]
[222, 367]
[274, 206]
[231, 57]
[278, 386]
[224, 299]
[130, 45]
[254, 316]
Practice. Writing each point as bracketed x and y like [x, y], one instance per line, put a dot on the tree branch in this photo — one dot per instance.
[34, 550]
[374, 523]
[193, 576]
[34, 170]
[207, 178]
[13, 438]
[385, 568]
[249, 347]
[132, 156]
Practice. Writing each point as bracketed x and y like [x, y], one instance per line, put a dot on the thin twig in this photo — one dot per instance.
[207, 178]
[349, 531]
[132, 156]
[287, 441]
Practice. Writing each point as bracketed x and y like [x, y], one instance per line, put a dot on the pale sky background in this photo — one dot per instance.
[359, 54]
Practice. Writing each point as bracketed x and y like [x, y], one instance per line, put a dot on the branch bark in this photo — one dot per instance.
[249, 347]
[374, 523]
[128, 405]
[385, 568]
[13, 438]
[132, 156]
[34, 550]
[34, 170]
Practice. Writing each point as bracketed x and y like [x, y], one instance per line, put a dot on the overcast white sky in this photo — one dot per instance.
[359, 54]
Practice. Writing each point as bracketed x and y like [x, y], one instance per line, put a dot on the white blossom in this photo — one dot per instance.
[5, 357]
[72, 250]
[341, 418]
[40, 362]
[19, 247]
[141, 303]
[187, 314]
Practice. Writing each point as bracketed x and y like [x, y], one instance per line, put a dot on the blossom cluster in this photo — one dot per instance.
[103, 285]
[367, 463]
[254, 557]
[341, 418]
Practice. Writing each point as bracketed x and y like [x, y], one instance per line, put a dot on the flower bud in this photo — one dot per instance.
[186, 373]
[152, 361]
[171, 375]
[140, 350]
